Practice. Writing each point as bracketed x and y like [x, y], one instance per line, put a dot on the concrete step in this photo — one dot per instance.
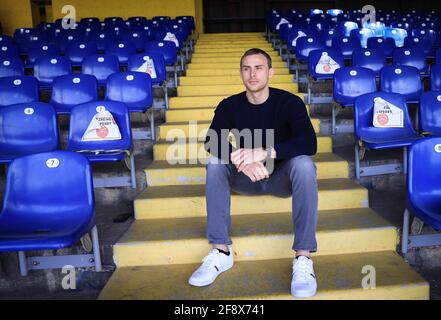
[228, 89]
[229, 49]
[161, 173]
[339, 277]
[226, 72]
[237, 55]
[255, 237]
[189, 201]
[226, 65]
[203, 102]
[188, 149]
[224, 59]
[197, 127]
[228, 80]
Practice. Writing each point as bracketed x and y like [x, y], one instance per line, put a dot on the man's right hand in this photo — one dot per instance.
[256, 171]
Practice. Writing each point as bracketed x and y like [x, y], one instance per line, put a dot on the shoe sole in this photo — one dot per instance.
[203, 284]
[304, 294]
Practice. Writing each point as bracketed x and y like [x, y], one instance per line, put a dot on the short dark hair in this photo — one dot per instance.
[253, 51]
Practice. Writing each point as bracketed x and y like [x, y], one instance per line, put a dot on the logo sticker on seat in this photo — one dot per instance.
[52, 163]
[438, 148]
[29, 111]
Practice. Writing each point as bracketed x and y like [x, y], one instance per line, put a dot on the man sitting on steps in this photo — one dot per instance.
[286, 140]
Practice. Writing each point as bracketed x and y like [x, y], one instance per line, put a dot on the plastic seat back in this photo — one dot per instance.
[137, 37]
[430, 112]
[102, 39]
[40, 50]
[80, 118]
[77, 51]
[18, 89]
[397, 34]
[73, 89]
[386, 45]
[418, 43]
[122, 49]
[330, 34]
[322, 63]
[411, 57]
[438, 56]
[166, 48]
[46, 69]
[424, 181]
[371, 59]
[346, 27]
[101, 66]
[307, 44]
[49, 202]
[401, 79]
[133, 88]
[362, 35]
[10, 67]
[27, 128]
[363, 120]
[9, 50]
[352, 82]
[345, 45]
[137, 61]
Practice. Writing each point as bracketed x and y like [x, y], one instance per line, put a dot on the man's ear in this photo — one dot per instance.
[271, 72]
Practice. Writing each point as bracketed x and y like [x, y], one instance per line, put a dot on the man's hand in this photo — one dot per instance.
[244, 157]
[256, 171]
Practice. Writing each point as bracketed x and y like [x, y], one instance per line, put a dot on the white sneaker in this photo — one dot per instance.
[303, 284]
[213, 265]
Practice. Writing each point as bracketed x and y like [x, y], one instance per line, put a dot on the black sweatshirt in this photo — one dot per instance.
[283, 112]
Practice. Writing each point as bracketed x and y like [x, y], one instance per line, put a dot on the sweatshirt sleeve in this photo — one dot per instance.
[303, 140]
[216, 140]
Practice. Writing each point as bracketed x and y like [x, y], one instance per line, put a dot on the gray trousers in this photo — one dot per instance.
[294, 177]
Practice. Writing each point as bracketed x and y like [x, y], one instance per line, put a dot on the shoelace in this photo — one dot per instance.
[301, 271]
[209, 260]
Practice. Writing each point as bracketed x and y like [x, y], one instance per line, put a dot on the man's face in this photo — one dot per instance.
[255, 72]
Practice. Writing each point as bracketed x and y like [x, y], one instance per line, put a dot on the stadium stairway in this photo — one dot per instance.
[167, 240]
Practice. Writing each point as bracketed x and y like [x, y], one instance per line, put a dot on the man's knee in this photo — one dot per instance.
[216, 166]
[302, 165]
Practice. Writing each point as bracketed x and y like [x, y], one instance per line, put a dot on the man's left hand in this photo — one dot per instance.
[243, 157]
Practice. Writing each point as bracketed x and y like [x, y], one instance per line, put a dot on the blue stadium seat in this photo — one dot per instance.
[329, 34]
[71, 90]
[350, 83]
[27, 128]
[372, 59]
[102, 39]
[77, 51]
[402, 79]
[345, 27]
[168, 50]
[386, 45]
[322, 64]
[43, 212]
[377, 27]
[438, 56]
[373, 138]
[423, 193]
[305, 45]
[135, 90]
[67, 37]
[430, 112]
[345, 45]
[397, 34]
[435, 77]
[137, 61]
[425, 33]
[11, 67]
[46, 69]
[9, 50]
[123, 50]
[137, 37]
[4, 39]
[18, 89]
[411, 57]
[419, 43]
[39, 50]
[101, 66]
[362, 35]
[102, 151]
